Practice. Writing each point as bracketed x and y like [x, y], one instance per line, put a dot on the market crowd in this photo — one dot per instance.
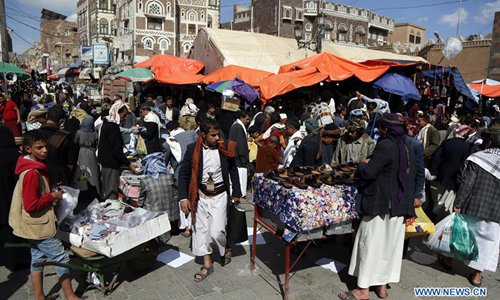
[199, 162]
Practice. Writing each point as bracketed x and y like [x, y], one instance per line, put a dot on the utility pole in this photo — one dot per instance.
[3, 32]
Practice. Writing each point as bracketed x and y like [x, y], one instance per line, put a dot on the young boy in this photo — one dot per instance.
[32, 215]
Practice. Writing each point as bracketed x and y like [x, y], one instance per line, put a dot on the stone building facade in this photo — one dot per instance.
[494, 57]
[409, 34]
[58, 39]
[342, 23]
[149, 27]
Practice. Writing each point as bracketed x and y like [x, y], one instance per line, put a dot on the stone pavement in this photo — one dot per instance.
[235, 281]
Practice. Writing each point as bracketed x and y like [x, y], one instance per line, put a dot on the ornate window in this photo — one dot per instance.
[164, 43]
[186, 47]
[103, 26]
[103, 4]
[139, 5]
[202, 16]
[299, 15]
[209, 21]
[148, 43]
[154, 8]
[169, 9]
[308, 27]
[287, 12]
[183, 14]
[155, 24]
[192, 15]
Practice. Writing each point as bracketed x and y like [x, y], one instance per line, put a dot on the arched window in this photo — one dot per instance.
[169, 9]
[148, 43]
[186, 47]
[192, 15]
[202, 16]
[154, 8]
[183, 14]
[308, 27]
[209, 21]
[139, 4]
[103, 26]
[164, 43]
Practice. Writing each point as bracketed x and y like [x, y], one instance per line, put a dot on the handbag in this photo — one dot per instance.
[236, 225]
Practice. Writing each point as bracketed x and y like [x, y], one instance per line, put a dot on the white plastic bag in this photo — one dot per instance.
[441, 239]
[452, 48]
[67, 204]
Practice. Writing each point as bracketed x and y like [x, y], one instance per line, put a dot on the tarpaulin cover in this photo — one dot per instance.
[397, 84]
[173, 70]
[390, 63]
[136, 75]
[10, 68]
[240, 87]
[251, 76]
[337, 68]
[458, 80]
[487, 90]
[283, 83]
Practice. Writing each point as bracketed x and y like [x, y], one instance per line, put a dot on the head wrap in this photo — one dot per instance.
[87, 124]
[355, 124]
[396, 132]
[461, 131]
[283, 116]
[268, 110]
[311, 125]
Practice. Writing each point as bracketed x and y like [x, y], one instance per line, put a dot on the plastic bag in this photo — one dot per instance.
[421, 225]
[441, 239]
[140, 148]
[67, 204]
[463, 240]
[452, 48]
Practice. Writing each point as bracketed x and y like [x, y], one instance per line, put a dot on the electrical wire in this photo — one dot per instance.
[419, 6]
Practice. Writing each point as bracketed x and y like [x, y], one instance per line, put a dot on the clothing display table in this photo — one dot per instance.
[290, 214]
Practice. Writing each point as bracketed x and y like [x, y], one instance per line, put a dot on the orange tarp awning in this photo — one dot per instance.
[492, 91]
[251, 76]
[280, 84]
[381, 62]
[337, 68]
[173, 70]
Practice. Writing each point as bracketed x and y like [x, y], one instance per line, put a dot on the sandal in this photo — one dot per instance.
[226, 258]
[377, 292]
[200, 275]
[471, 280]
[349, 295]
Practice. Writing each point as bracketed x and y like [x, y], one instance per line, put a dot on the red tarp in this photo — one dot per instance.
[492, 91]
[328, 66]
[283, 83]
[173, 70]
[251, 76]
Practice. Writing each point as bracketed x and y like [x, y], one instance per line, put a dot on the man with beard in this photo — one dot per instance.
[354, 145]
[204, 189]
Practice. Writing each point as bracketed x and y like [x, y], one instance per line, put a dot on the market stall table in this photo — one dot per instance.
[301, 214]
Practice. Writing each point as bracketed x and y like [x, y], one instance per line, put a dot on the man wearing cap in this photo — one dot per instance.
[354, 145]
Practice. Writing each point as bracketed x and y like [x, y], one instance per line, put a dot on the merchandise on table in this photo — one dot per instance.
[306, 209]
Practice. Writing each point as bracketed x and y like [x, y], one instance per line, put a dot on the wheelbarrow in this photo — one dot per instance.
[139, 259]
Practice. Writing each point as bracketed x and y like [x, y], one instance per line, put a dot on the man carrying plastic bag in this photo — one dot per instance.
[478, 196]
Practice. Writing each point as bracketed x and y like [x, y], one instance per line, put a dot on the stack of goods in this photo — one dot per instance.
[306, 209]
[101, 220]
[315, 177]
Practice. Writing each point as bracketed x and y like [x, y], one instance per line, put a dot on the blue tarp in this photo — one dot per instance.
[458, 80]
[397, 84]
[237, 85]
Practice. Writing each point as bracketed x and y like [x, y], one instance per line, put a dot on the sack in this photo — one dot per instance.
[140, 148]
[463, 240]
[67, 204]
[421, 225]
[236, 226]
[440, 240]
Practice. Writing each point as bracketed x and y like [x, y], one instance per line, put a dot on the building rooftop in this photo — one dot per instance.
[410, 24]
[51, 15]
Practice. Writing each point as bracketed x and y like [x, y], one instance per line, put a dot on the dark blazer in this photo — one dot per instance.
[228, 167]
[380, 185]
[237, 134]
[111, 147]
[151, 137]
[307, 152]
[448, 160]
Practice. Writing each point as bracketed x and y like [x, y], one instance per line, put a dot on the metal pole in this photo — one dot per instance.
[3, 32]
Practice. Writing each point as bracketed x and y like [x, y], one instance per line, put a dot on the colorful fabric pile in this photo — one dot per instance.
[303, 210]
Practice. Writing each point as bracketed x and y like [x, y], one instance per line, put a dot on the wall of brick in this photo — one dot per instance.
[494, 57]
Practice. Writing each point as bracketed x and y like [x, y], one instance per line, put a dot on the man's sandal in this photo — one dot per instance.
[201, 275]
[226, 258]
[349, 295]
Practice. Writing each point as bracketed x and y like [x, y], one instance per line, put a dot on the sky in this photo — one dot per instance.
[476, 16]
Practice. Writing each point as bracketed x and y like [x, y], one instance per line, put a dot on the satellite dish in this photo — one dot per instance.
[11, 77]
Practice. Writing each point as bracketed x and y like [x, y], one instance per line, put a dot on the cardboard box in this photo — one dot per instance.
[119, 243]
[231, 104]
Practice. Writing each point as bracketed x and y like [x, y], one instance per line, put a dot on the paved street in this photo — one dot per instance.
[235, 281]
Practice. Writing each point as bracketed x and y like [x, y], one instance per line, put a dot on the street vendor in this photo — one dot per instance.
[203, 191]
